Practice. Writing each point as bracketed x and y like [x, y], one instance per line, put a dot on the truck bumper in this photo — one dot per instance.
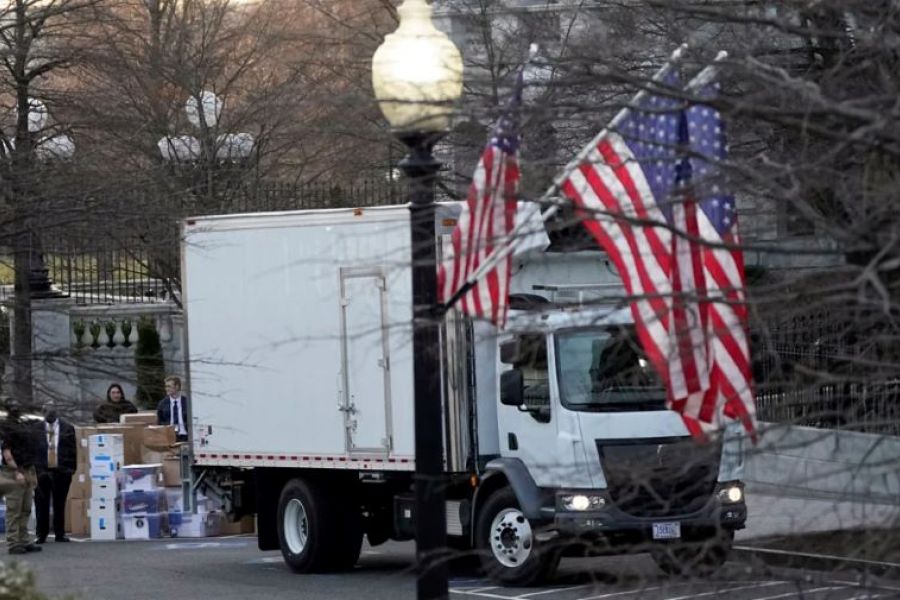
[615, 525]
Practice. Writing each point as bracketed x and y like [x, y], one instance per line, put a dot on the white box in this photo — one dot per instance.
[107, 444]
[141, 477]
[145, 527]
[104, 488]
[201, 524]
[105, 466]
[104, 520]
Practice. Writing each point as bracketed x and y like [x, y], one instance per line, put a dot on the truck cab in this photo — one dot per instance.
[591, 458]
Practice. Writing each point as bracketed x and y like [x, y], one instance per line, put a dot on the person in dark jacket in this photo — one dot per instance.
[57, 463]
[18, 479]
[172, 410]
[115, 406]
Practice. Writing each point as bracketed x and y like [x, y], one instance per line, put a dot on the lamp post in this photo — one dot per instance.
[417, 77]
[47, 149]
[210, 151]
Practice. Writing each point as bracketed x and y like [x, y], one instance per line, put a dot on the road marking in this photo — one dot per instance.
[558, 589]
[819, 556]
[481, 593]
[801, 593]
[729, 590]
[866, 597]
[624, 592]
[877, 586]
[204, 545]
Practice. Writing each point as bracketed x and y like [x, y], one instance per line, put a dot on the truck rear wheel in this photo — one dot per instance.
[509, 552]
[317, 532]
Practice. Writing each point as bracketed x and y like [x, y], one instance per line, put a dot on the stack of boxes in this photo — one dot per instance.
[144, 504]
[106, 453]
[128, 485]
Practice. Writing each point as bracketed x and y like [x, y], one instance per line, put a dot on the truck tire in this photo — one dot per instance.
[699, 558]
[509, 553]
[317, 533]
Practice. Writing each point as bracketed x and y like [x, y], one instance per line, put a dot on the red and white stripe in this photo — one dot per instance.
[613, 197]
[731, 380]
[486, 223]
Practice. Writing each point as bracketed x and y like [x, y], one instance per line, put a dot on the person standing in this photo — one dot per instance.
[19, 479]
[172, 410]
[115, 406]
[53, 481]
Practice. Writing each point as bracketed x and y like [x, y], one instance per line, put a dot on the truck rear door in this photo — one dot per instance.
[366, 398]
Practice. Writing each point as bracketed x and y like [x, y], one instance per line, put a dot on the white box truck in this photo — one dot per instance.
[556, 433]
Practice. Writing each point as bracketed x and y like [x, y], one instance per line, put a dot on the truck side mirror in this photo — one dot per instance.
[512, 388]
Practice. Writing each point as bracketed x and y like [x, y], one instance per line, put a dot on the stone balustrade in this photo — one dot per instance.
[116, 327]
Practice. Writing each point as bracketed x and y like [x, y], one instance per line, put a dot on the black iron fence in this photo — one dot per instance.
[132, 264]
[822, 369]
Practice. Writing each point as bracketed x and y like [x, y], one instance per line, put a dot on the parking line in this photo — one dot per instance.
[559, 589]
[624, 592]
[801, 593]
[857, 584]
[729, 590]
[481, 594]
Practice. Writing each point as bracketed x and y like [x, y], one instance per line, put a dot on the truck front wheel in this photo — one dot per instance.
[509, 552]
[317, 532]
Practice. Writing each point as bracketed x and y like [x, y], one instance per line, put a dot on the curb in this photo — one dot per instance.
[820, 562]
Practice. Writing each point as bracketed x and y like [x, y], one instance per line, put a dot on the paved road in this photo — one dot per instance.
[232, 568]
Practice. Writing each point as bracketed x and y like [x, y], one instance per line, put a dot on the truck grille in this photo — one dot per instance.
[660, 477]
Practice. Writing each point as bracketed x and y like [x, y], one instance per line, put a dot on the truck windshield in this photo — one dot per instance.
[605, 370]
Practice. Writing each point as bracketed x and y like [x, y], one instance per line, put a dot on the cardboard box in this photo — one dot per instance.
[145, 527]
[171, 472]
[242, 526]
[80, 488]
[141, 477]
[132, 436]
[139, 418]
[144, 502]
[77, 522]
[159, 437]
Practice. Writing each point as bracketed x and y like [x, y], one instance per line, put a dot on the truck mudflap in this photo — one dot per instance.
[609, 521]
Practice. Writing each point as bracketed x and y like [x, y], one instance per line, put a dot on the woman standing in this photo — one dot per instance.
[115, 406]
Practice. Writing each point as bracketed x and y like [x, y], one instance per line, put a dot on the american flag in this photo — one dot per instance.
[486, 223]
[623, 189]
[724, 309]
[686, 289]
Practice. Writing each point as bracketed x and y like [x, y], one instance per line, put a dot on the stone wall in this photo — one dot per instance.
[833, 464]
[79, 350]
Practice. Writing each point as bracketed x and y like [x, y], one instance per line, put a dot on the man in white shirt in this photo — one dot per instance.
[172, 410]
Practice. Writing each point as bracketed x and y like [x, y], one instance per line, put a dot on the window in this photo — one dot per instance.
[533, 364]
[605, 370]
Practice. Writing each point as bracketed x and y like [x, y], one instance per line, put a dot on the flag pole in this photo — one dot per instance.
[509, 245]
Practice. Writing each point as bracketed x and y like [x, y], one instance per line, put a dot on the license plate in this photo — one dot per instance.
[667, 531]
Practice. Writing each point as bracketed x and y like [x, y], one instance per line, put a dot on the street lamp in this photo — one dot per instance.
[204, 112]
[47, 149]
[417, 77]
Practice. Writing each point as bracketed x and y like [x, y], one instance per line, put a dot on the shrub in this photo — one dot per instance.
[150, 366]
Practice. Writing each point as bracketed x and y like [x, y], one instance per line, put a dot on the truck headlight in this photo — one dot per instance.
[581, 502]
[731, 494]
